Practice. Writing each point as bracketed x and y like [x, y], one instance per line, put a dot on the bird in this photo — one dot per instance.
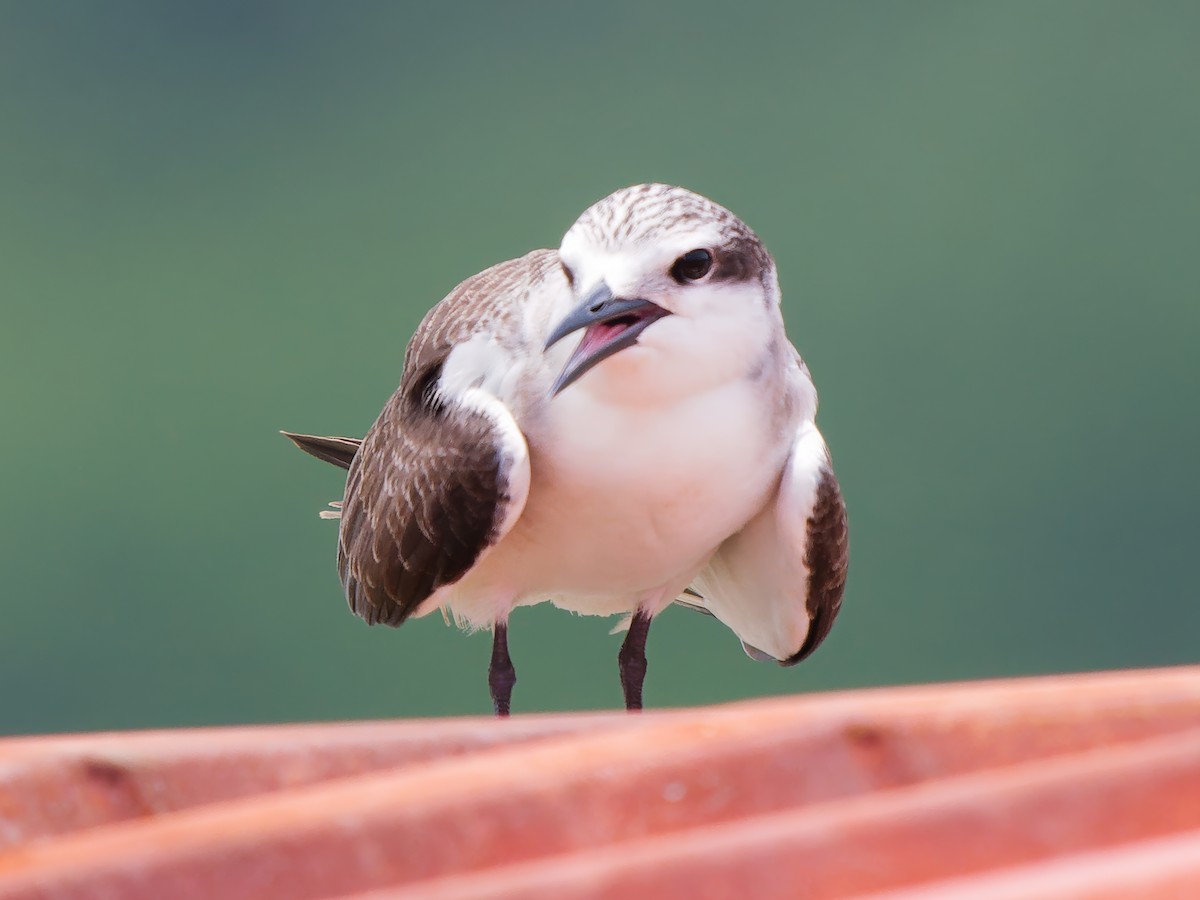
[613, 427]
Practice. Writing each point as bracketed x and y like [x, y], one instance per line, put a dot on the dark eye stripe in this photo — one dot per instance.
[741, 260]
[692, 266]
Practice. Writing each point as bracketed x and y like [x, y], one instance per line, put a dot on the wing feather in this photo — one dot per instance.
[778, 583]
[439, 478]
[416, 518]
[336, 450]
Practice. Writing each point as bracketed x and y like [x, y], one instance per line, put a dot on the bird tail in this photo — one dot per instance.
[336, 450]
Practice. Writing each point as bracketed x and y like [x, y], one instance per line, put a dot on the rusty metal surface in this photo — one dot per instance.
[1164, 869]
[994, 783]
[52, 785]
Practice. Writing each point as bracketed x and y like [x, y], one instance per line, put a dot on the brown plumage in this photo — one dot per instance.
[827, 560]
[427, 489]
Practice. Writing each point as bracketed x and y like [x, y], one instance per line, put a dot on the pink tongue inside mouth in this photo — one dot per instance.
[598, 335]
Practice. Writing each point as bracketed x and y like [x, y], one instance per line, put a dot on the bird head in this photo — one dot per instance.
[671, 291]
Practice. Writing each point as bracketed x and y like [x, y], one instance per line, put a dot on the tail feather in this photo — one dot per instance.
[337, 450]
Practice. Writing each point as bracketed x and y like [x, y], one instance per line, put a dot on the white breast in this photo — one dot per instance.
[625, 500]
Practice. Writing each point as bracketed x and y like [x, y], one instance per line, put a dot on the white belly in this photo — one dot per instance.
[627, 501]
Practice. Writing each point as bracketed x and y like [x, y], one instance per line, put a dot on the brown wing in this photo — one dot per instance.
[432, 484]
[778, 582]
[425, 496]
[827, 559]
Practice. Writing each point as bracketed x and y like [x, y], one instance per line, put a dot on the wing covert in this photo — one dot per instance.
[443, 474]
[430, 490]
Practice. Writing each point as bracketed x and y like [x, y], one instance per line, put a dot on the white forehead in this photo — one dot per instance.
[653, 219]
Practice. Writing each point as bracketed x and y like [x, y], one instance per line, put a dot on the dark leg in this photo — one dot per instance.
[632, 659]
[501, 674]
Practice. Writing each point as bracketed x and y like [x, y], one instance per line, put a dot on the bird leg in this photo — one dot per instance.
[501, 674]
[632, 659]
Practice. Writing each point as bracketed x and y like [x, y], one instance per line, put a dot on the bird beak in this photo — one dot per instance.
[611, 323]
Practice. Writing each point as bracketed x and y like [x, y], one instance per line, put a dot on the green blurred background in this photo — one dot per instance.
[220, 219]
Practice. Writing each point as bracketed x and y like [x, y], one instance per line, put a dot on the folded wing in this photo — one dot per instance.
[443, 474]
[778, 582]
[429, 491]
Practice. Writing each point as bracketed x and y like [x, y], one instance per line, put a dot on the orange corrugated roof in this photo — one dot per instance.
[1080, 786]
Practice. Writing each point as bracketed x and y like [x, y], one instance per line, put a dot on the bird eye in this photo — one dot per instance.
[568, 274]
[692, 266]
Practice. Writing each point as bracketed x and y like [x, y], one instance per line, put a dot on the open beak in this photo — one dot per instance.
[610, 323]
